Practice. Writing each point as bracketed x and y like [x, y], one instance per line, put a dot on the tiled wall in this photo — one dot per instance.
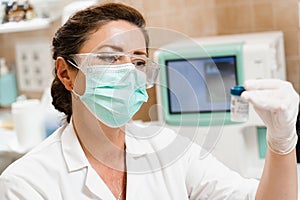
[197, 18]
[238, 16]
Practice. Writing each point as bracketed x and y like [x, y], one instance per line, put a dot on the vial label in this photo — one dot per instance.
[239, 109]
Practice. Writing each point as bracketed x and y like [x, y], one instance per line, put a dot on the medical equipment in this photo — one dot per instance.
[196, 81]
[196, 100]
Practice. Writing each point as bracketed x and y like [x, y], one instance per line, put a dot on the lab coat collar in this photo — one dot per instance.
[75, 157]
[136, 145]
[76, 160]
[146, 147]
[72, 150]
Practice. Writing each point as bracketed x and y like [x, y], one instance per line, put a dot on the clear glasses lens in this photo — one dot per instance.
[141, 63]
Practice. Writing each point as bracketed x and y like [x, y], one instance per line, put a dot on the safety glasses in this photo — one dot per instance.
[105, 59]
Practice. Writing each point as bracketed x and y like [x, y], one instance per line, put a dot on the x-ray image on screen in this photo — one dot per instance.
[194, 84]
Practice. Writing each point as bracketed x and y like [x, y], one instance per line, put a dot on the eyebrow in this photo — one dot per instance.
[116, 48]
[119, 49]
[141, 53]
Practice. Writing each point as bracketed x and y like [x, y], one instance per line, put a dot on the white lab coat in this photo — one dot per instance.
[161, 166]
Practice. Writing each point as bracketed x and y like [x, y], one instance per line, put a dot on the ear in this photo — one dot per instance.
[65, 74]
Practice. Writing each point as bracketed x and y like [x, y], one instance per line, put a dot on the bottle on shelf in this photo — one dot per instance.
[8, 87]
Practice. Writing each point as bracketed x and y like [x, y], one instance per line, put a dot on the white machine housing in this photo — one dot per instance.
[237, 146]
[263, 53]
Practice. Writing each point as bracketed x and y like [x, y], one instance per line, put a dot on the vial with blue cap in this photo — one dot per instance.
[239, 109]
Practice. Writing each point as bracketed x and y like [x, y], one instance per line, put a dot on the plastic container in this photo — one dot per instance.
[239, 109]
[8, 86]
[28, 123]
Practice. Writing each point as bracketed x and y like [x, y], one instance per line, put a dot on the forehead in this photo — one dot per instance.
[122, 34]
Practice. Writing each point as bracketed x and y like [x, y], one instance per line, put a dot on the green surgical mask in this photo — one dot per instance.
[114, 93]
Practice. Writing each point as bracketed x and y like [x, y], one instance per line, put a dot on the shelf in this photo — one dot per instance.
[34, 24]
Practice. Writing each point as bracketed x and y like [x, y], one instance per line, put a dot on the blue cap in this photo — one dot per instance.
[237, 90]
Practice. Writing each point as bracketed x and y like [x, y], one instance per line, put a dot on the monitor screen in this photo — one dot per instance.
[200, 85]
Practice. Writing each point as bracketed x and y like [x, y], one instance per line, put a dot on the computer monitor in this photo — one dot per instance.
[195, 83]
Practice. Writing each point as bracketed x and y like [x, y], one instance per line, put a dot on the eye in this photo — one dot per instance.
[139, 63]
[107, 59]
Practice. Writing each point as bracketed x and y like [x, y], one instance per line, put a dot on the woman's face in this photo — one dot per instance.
[115, 36]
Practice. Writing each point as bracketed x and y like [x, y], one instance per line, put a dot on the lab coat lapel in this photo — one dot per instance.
[97, 186]
[136, 160]
[134, 184]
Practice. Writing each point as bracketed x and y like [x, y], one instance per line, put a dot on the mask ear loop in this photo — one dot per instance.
[76, 95]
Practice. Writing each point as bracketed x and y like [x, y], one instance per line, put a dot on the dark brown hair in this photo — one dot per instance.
[72, 35]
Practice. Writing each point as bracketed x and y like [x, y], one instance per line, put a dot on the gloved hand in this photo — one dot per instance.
[276, 102]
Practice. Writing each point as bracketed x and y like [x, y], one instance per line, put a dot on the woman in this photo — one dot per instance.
[102, 72]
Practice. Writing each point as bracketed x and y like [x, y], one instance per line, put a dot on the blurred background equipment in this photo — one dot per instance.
[34, 64]
[74, 7]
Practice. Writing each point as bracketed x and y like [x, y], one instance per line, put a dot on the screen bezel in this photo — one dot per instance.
[197, 52]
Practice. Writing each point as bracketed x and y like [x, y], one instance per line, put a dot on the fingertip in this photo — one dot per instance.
[248, 83]
[245, 96]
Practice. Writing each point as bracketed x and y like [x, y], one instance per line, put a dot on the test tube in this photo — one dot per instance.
[239, 109]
